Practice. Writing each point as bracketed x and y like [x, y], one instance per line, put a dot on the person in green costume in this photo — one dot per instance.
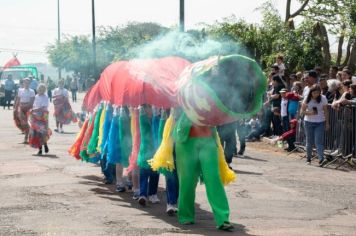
[197, 156]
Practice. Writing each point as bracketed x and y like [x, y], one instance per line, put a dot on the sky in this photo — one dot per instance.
[28, 26]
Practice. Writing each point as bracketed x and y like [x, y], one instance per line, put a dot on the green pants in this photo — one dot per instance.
[195, 157]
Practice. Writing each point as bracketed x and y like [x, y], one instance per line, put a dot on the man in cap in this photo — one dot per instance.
[10, 87]
[33, 83]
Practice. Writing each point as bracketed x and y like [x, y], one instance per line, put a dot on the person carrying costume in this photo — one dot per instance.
[23, 104]
[62, 109]
[149, 179]
[197, 156]
[39, 131]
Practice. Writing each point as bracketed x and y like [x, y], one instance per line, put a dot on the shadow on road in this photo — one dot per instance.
[46, 155]
[246, 172]
[204, 225]
[252, 158]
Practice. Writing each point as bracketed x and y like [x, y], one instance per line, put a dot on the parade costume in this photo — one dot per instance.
[62, 109]
[24, 106]
[208, 93]
[38, 120]
[39, 132]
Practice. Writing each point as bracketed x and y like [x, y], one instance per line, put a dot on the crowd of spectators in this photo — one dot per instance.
[315, 91]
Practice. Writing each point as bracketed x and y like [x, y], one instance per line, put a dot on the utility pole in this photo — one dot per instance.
[93, 40]
[59, 36]
[181, 15]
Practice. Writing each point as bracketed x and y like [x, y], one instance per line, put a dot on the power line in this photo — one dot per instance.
[28, 28]
[22, 51]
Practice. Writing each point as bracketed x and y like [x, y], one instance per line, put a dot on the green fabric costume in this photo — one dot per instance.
[195, 157]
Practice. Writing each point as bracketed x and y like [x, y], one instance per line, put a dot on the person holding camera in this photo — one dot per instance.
[316, 121]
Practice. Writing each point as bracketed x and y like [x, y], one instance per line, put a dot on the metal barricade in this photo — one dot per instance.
[340, 141]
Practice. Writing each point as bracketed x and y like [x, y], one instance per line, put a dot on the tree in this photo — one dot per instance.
[340, 17]
[289, 16]
[114, 43]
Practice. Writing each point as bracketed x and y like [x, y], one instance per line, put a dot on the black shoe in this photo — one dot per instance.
[39, 152]
[129, 186]
[142, 201]
[108, 181]
[46, 149]
[322, 162]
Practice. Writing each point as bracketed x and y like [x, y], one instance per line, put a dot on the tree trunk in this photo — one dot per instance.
[352, 61]
[323, 34]
[348, 53]
[341, 43]
[287, 11]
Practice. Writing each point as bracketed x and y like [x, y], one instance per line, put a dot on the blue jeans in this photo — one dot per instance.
[285, 123]
[148, 182]
[315, 135]
[172, 188]
[109, 170]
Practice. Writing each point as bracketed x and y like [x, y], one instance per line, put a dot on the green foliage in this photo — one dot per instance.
[75, 53]
[300, 46]
[264, 42]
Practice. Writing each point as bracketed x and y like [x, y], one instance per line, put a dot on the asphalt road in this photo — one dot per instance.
[58, 195]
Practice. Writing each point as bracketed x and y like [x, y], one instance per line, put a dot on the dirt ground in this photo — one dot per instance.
[273, 195]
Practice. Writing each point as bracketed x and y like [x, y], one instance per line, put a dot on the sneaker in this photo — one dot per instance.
[120, 189]
[226, 227]
[56, 130]
[240, 153]
[175, 208]
[308, 162]
[142, 201]
[46, 148]
[170, 210]
[62, 131]
[154, 199]
[136, 195]
[335, 153]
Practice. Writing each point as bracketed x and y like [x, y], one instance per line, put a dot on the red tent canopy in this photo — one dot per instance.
[12, 62]
[137, 82]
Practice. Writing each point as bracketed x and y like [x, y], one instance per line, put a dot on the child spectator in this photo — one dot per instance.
[293, 99]
[284, 110]
[288, 136]
[280, 64]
